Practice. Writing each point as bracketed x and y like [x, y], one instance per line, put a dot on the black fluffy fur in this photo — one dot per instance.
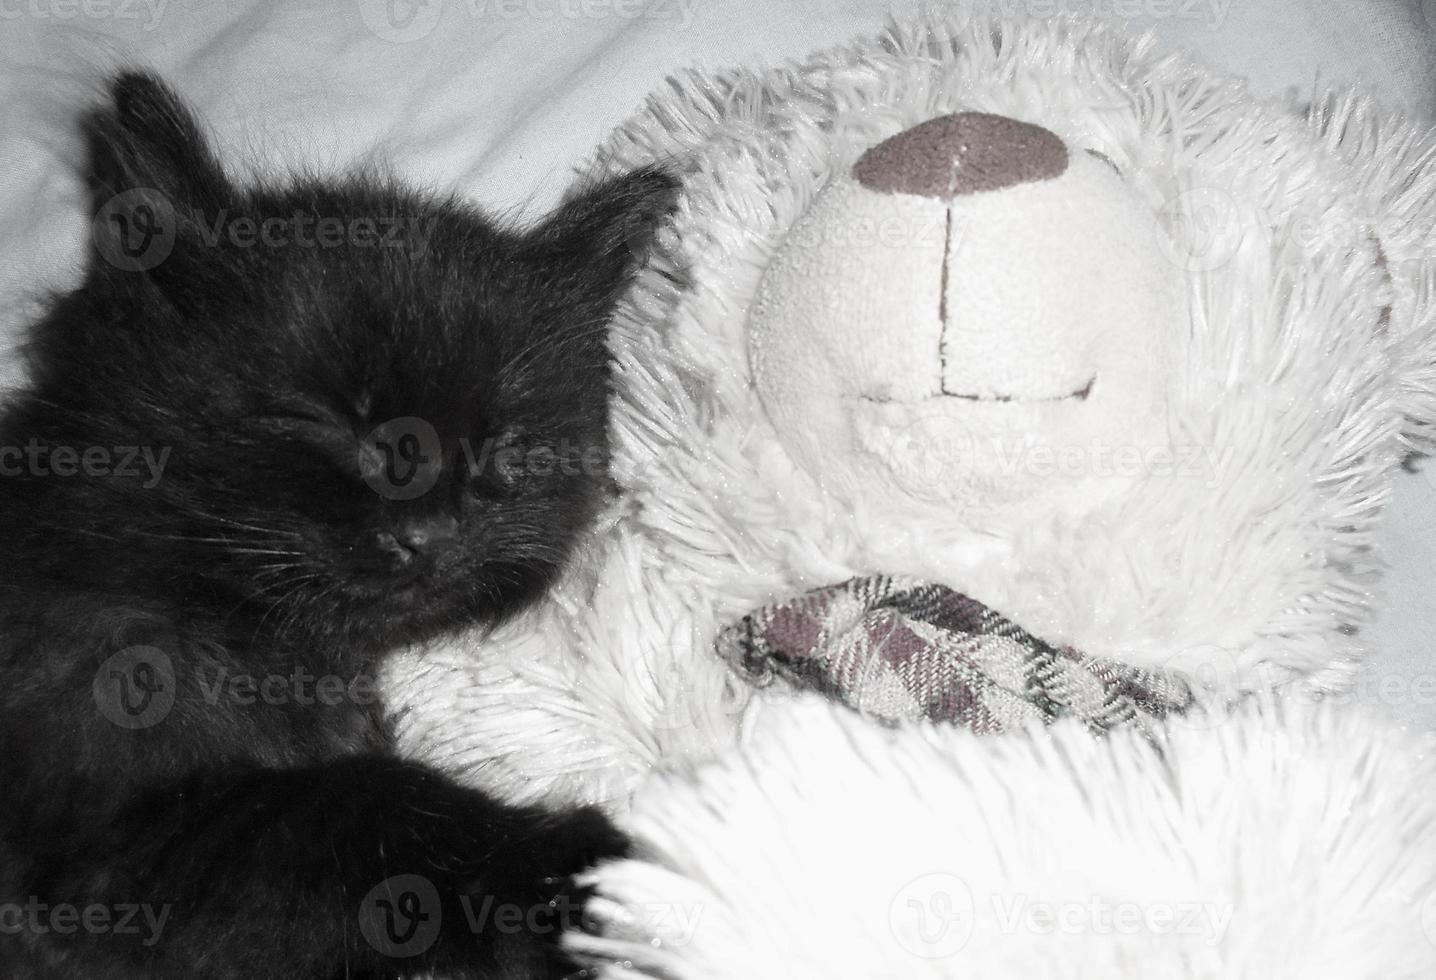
[260, 824]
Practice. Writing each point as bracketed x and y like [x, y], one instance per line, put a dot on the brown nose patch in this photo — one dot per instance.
[963, 153]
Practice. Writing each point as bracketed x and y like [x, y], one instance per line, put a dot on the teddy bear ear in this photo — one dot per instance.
[1393, 164]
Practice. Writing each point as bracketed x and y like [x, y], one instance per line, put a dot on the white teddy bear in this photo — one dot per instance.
[1083, 334]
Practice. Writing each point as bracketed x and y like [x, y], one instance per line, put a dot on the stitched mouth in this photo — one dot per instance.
[1079, 395]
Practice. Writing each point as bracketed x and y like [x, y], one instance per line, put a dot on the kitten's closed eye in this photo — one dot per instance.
[302, 410]
[314, 427]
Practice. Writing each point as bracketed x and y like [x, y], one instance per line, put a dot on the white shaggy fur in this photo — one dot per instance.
[1272, 841]
[1288, 378]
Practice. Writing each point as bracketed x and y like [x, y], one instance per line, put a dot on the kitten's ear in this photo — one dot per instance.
[598, 238]
[150, 172]
[146, 138]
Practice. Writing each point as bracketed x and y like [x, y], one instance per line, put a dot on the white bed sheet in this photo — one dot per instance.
[501, 98]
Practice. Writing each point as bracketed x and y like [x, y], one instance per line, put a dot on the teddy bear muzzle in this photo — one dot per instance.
[967, 285]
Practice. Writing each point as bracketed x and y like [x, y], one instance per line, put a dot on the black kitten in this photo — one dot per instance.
[274, 434]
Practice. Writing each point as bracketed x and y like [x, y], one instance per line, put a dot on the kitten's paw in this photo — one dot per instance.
[582, 838]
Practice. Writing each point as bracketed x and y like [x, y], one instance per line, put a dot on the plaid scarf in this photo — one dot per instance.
[899, 649]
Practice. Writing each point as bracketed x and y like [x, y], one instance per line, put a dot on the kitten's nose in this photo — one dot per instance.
[423, 538]
[964, 153]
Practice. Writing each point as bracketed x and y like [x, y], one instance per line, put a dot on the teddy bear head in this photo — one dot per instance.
[1087, 332]
[970, 290]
